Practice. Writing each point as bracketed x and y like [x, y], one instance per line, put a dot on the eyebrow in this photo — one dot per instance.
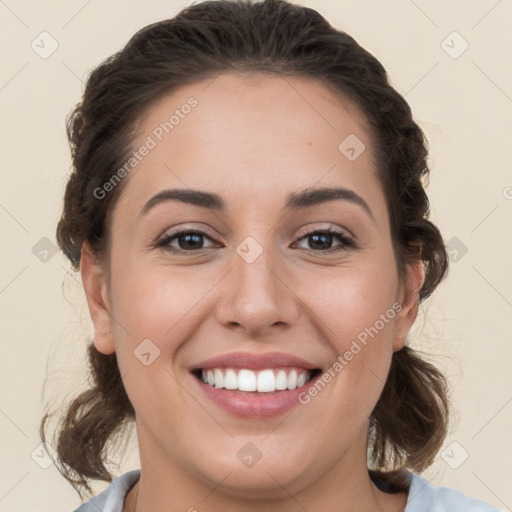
[296, 200]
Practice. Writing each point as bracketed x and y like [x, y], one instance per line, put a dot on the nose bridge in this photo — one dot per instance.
[255, 296]
[253, 268]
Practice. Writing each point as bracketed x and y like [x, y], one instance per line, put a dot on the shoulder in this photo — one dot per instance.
[112, 498]
[425, 497]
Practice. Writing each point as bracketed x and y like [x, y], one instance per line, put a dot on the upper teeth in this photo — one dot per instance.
[263, 381]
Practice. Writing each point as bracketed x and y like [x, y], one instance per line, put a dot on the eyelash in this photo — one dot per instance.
[347, 243]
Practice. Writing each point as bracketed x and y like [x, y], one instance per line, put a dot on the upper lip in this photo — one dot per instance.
[254, 361]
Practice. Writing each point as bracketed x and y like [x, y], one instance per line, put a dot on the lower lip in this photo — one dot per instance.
[262, 405]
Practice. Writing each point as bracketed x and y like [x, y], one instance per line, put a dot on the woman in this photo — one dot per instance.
[248, 215]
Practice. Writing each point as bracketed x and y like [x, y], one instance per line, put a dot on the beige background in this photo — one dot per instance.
[464, 105]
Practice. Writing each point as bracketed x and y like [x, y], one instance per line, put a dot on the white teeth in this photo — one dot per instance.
[264, 381]
[292, 379]
[246, 380]
[301, 380]
[219, 378]
[281, 380]
[230, 380]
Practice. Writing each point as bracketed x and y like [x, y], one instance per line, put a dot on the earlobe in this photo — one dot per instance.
[410, 302]
[95, 286]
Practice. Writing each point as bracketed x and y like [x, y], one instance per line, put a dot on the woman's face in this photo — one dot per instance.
[252, 281]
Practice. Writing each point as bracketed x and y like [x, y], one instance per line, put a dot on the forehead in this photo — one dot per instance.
[254, 136]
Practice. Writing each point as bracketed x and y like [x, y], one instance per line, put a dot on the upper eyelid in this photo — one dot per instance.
[333, 229]
[309, 230]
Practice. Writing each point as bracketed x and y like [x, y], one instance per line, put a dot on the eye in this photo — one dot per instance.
[320, 240]
[186, 240]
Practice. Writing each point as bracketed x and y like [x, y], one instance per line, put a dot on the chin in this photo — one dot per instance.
[247, 473]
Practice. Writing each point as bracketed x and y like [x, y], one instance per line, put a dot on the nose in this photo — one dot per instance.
[257, 296]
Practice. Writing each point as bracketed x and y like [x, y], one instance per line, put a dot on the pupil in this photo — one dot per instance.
[317, 244]
[191, 241]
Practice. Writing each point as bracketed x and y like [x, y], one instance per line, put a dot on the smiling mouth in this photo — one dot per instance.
[255, 382]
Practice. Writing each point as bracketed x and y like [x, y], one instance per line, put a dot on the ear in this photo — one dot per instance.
[409, 299]
[95, 285]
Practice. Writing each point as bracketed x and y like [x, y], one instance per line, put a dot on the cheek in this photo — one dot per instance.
[157, 302]
[356, 315]
[351, 301]
[156, 310]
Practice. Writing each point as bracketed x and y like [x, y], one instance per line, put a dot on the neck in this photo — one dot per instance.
[381, 502]
[346, 486]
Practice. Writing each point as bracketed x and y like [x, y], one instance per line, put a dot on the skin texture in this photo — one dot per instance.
[252, 139]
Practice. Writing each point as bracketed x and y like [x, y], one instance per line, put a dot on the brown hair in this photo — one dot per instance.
[409, 422]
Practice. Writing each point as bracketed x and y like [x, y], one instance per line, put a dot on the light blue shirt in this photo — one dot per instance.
[423, 497]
